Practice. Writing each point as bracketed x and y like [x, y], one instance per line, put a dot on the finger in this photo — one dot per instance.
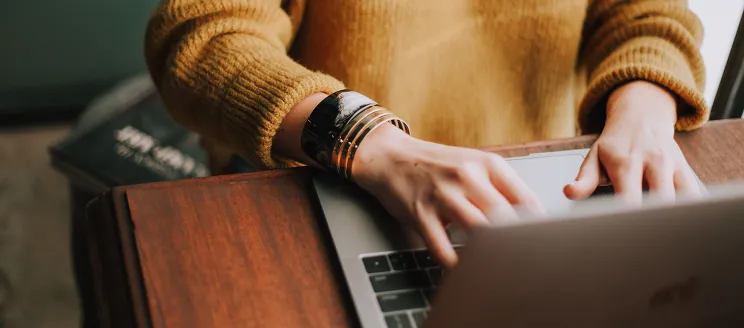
[501, 212]
[685, 181]
[660, 178]
[436, 239]
[504, 214]
[514, 190]
[588, 178]
[488, 200]
[627, 179]
[459, 209]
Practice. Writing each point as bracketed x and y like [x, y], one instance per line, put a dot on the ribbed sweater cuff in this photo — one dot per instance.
[258, 101]
[650, 59]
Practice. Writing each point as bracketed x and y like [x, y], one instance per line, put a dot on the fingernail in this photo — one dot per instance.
[571, 187]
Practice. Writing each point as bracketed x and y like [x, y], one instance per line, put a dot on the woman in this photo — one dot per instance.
[260, 77]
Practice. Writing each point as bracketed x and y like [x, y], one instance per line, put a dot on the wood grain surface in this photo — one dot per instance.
[252, 250]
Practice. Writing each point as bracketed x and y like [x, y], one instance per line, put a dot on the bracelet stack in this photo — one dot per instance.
[354, 132]
[337, 127]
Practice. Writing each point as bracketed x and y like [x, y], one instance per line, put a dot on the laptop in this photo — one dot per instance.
[391, 277]
[667, 264]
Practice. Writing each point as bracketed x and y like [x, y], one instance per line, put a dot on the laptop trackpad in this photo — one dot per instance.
[547, 176]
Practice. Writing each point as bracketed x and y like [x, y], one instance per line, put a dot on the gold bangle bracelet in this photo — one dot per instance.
[356, 138]
[354, 132]
[351, 136]
[349, 151]
[343, 137]
[355, 145]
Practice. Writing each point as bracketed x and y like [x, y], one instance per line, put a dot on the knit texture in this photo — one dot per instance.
[469, 73]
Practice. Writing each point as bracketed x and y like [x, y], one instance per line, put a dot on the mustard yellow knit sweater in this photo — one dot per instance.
[469, 73]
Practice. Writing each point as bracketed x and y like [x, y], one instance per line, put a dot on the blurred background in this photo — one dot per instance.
[73, 89]
[58, 55]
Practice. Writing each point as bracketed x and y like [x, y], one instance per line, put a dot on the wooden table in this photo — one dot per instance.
[251, 250]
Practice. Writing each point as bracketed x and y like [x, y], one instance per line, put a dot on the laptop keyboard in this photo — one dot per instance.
[404, 283]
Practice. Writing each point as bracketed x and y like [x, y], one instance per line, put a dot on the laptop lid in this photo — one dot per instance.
[661, 266]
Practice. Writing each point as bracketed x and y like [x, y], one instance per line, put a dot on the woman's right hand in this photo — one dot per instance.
[429, 185]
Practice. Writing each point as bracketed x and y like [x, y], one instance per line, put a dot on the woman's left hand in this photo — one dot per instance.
[637, 148]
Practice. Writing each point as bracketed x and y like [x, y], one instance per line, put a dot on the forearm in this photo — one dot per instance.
[222, 70]
[654, 41]
[287, 141]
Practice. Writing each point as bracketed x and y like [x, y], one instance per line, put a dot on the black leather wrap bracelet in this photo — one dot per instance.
[325, 123]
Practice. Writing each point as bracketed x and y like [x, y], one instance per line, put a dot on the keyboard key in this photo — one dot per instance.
[436, 275]
[398, 321]
[399, 280]
[419, 317]
[376, 264]
[425, 259]
[401, 301]
[402, 261]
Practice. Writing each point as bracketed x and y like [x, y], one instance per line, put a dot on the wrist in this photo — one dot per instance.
[385, 142]
[642, 102]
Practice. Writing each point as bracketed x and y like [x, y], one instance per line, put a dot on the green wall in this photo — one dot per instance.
[62, 53]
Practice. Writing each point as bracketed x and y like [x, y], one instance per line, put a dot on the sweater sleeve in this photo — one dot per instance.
[653, 40]
[222, 69]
